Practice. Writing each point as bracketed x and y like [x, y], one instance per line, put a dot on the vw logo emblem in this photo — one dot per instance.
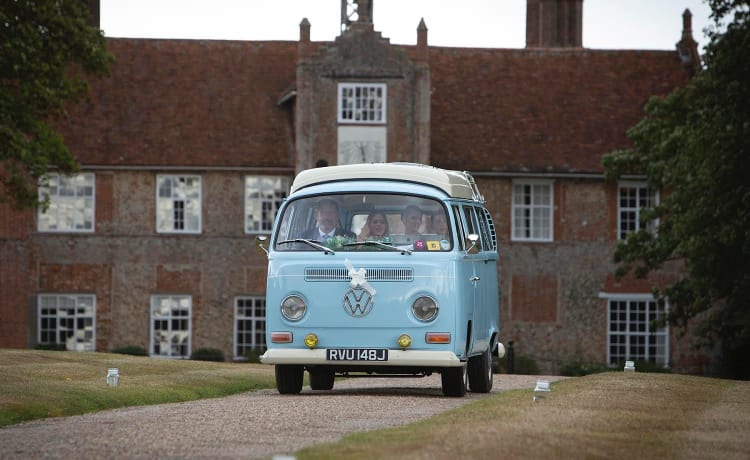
[358, 302]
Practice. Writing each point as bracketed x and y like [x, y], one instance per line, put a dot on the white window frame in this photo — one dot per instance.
[81, 334]
[532, 209]
[256, 320]
[167, 305]
[167, 209]
[263, 197]
[358, 103]
[71, 209]
[652, 198]
[632, 327]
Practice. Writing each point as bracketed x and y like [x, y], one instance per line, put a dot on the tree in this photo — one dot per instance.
[693, 145]
[47, 47]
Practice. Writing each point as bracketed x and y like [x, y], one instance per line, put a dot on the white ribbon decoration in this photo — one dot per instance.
[358, 278]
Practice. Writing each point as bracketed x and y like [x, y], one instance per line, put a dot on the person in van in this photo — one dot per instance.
[439, 224]
[327, 223]
[411, 217]
[375, 228]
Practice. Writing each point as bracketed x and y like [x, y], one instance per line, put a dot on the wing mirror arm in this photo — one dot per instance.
[473, 248]
[261, 244]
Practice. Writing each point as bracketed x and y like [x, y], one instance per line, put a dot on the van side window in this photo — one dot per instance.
[490, 227]
[472, 226]
[459, 227]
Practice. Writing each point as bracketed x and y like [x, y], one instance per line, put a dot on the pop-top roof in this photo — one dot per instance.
[457, 184]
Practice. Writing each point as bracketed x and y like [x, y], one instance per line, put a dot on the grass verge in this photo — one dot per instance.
[37, 384]
[611, 415]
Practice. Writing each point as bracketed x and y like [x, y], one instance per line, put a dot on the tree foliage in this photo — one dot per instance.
[693, 146]
[47, 47]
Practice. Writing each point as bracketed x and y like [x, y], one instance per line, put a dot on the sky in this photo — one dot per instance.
[607, 24]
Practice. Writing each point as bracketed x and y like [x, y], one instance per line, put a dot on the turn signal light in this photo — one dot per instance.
[404, 341]
[311, 340]
[281, 337]
[438, 337]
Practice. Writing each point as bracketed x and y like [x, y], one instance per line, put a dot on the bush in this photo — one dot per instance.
[208, 354]
[50, 346]
[578, 369]
[131, 350]
[524, 365]
[252, 355]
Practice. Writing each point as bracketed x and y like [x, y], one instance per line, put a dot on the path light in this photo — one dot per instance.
[113, 377]
[629, 366]
[541, 390]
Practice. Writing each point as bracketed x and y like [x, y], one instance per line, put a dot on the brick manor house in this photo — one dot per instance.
[189, 146]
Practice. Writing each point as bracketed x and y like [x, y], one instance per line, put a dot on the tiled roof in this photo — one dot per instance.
[540, 110]
[189, 103]
[216, 103]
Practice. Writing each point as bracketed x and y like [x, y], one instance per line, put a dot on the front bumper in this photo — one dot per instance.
[402, 358]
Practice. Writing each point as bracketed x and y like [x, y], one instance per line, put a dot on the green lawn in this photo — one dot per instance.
[610, 415]
[37, 384]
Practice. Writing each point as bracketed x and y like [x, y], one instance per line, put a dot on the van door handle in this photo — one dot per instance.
[474, 278]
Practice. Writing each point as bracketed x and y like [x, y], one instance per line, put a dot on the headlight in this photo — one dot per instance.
[425, 308]
[293, 308]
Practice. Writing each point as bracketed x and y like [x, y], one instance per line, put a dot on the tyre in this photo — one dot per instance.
[321, 379]
[454, 381]
[289, 378]
[480, 372]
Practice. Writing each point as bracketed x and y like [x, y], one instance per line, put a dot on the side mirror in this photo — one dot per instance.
[261, 244]
[473, 248]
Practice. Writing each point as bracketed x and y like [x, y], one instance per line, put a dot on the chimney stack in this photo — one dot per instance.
[554, 23]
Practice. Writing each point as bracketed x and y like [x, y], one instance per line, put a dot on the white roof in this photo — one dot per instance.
[457, 184]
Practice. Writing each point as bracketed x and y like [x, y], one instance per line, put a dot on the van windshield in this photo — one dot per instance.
[373, 222]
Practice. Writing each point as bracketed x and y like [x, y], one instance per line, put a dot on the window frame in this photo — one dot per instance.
[531, 207]
[354, 86]
[199, 200]
[266, 227]
[57, 319]
[54, 201]
[169, 318]
[258, 326]
[652, 197]
[661, 333]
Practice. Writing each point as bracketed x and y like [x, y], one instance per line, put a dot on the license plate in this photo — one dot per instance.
[357, 354]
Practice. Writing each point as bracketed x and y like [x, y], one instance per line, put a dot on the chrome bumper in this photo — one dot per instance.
[418, 358]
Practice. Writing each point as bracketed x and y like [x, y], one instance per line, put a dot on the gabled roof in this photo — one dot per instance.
[217, 104]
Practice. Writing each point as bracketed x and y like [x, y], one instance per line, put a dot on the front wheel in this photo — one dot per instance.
[289, 378]
[480, 372]
[454, 381]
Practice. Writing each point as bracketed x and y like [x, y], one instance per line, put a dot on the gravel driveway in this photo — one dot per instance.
[249, 425]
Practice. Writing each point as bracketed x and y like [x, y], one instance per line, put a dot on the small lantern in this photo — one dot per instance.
[113, 377]
[629, 366]
[542, 389]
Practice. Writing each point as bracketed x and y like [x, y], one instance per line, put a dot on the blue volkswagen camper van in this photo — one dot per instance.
[382, 269]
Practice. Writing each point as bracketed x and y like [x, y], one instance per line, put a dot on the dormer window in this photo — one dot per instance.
[362, 103]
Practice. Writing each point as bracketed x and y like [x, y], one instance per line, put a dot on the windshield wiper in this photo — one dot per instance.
[314, 243]
[378, 244]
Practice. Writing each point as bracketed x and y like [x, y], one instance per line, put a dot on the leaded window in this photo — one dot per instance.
[70, 205]
[532, 211]
[362, 103]
[636, 330]
[67, 320]
[263, 197]
[171, 326]
[178, 204]
[249, 325]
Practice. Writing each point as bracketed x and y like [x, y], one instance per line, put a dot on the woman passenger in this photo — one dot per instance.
[375, 228]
